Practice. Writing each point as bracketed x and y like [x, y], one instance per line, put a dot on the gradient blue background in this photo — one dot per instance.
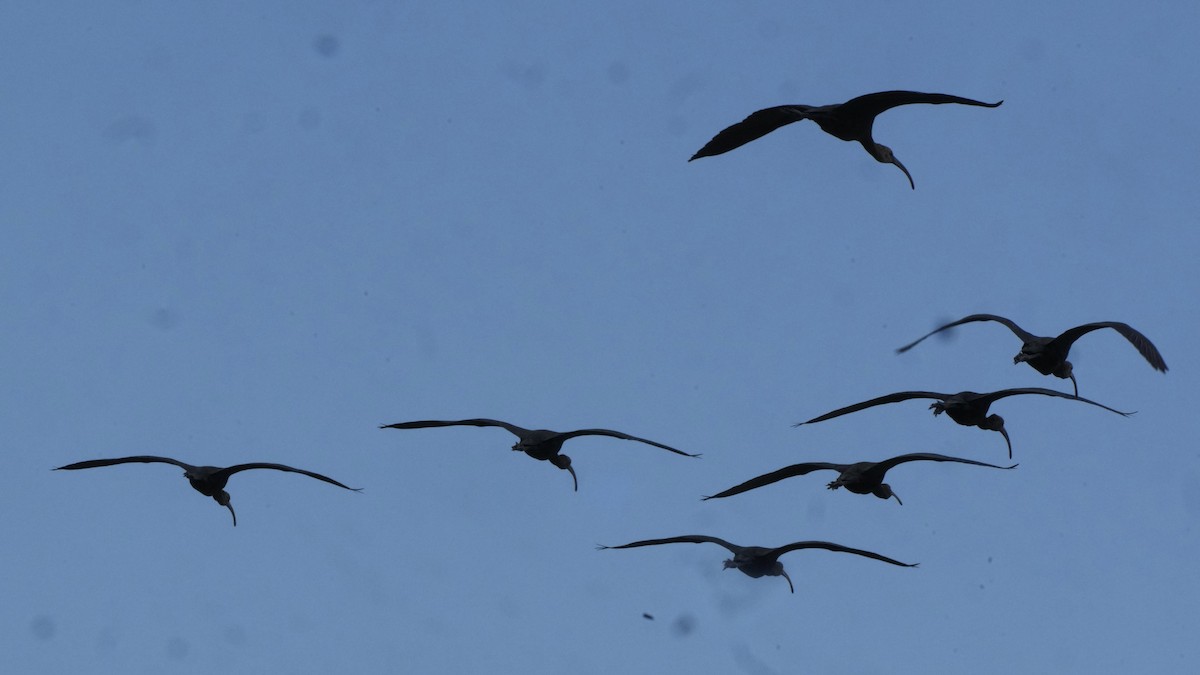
[241, 232]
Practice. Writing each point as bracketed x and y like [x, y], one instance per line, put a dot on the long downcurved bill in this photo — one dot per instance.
[906, 173]
[573, 476]
[789, 579]
[230, 507]
[1074, 383]
[1006, 440]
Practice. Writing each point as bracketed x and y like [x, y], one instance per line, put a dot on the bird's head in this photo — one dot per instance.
[884, 491]
[564, 462]
[993, 423]
[996, 423]
[222, 498]
[885, 155]
[1066, 371]
[778, 571]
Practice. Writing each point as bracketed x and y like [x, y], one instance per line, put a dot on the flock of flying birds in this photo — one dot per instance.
[849, 121]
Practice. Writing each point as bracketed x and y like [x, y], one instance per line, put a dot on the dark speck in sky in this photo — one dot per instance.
[531, 76]
[310, 118]
[131, 128]
[43, 627]
[235, 635]
[178, 648]
[327, 45]
[163, 318]
[684, 625]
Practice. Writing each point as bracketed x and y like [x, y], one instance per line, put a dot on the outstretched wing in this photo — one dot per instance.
[757, 125]
[1144, 346]
[146, 459]
[618, 434]
[995, 395]
[887, 464]
[685, 539]
[426, 424]
[1025, 335]
[870, 105]
[889, 398]
[229, 471]
[776, 476]
[829, 546]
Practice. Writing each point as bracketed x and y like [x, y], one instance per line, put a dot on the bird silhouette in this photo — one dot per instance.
[966, 407]
[757, 561]
[541, 444]
[207, 480]
[863, 478]
[1048, 355]
[849, 121]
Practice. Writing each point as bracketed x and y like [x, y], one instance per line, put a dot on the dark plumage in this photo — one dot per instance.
[541, 444]
[1048, 355]
[966, 407]
[849, 121]
[757, 561]
[863, 478]
[207, 480]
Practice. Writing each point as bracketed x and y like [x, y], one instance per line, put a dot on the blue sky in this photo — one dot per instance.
[240, 234]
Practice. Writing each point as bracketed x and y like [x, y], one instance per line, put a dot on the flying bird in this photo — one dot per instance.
[862, 478]
[757, 561]
[207, 480]
[1048, 355]
[966, 407]
[541, 444]
[849, 121]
